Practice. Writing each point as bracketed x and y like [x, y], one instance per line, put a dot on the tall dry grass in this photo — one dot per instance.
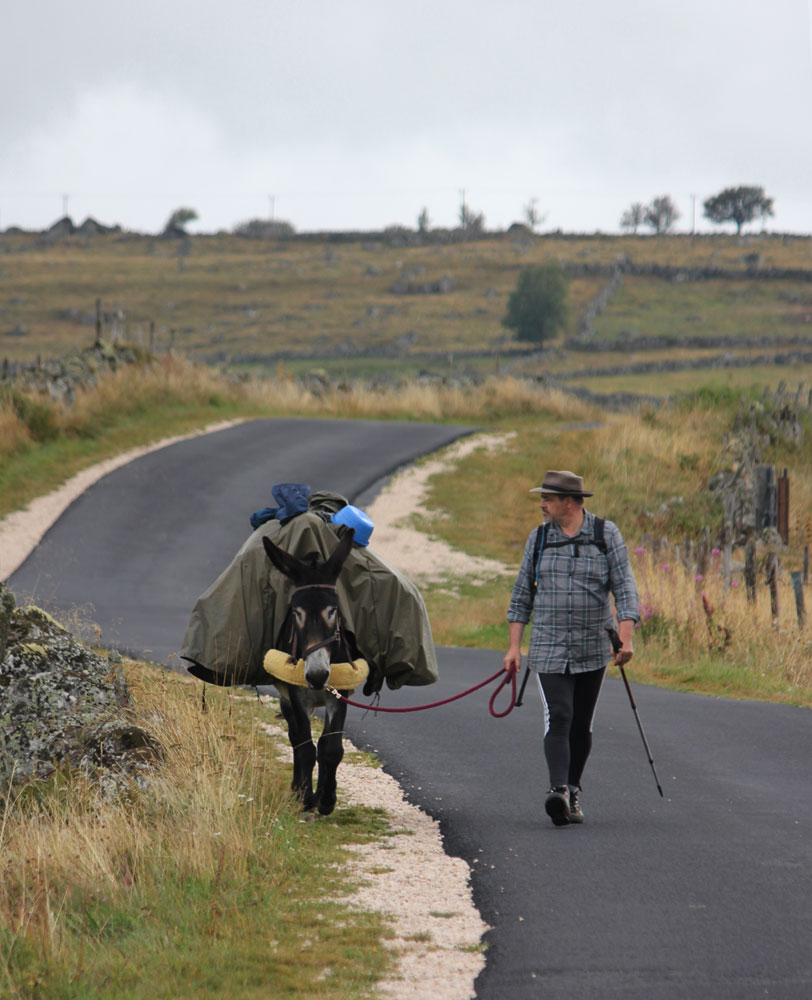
[689, 617]
[201, 880]
[496, 397]
[173, 383]
[14, 434]
[201, 809]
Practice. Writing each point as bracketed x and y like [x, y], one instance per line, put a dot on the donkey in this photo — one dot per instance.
[313, 632]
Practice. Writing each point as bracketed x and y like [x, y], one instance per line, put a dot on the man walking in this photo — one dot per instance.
[571, 565]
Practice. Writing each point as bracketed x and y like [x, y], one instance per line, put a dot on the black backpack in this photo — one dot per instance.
[541, 543]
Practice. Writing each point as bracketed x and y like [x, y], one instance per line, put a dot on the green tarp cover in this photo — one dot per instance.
[238, 618]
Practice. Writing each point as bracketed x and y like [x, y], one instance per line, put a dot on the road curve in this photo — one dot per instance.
[706, 893]
[133, 552]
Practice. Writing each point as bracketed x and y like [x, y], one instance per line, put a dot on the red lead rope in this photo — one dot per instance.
[504, 674]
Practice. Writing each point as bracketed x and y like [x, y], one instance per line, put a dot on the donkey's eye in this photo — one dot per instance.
[330, 615]
[300, 617]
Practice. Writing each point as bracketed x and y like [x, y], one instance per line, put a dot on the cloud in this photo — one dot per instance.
[121, 146]
[360, 113]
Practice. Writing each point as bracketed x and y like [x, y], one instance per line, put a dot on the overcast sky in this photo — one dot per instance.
[337, 114]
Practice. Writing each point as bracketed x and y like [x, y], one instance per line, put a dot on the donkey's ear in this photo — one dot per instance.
[286, 563]
[333, 565]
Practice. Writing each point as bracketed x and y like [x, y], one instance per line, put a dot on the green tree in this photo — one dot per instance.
[265, 229]
[537, 307]
[661, 214]
[740, 205]
[532, 215]
[179, 219]
[470, 222]
[633, 217]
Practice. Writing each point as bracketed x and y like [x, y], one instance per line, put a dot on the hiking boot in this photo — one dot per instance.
[576, 813]
[557, 805]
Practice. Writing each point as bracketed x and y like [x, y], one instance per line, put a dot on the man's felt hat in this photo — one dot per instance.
[565, 484]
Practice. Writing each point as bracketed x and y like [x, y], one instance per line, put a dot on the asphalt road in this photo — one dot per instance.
[706, 893]
[134, 552]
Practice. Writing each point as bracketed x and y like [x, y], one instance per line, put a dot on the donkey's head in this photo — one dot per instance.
[314, 611]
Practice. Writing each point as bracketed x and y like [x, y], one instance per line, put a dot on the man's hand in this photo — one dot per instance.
[513, 657]
[513, 660]
[626, 633]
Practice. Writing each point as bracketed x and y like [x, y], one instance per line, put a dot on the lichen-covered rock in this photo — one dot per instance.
[7, 605]
[62, 704]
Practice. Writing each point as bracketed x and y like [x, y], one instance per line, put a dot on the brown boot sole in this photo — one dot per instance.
[558, 811]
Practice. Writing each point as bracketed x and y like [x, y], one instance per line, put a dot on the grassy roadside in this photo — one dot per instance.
[205, 882]
[43, 444]
[649, 473]
[650, 470]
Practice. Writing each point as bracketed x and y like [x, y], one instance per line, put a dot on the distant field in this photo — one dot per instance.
[333, 304]
[668, 383]
[252, 297]
[747, 309]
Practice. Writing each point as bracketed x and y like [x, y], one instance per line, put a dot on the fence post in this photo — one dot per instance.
[772, 581]
[750, 569]
[800, 608]
[98, 320]
[703, 553]
[727, 555]
[782, 499]
[764, 478]
[689, 560]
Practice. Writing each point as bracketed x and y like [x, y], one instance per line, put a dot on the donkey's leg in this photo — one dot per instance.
[304, 751]
[331, 750]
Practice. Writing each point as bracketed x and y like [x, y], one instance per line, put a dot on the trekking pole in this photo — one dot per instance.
[617, 645]
[525, 679]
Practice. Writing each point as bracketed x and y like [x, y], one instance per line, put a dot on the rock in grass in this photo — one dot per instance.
[62, 705]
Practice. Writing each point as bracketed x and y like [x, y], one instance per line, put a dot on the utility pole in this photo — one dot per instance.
[271, 201]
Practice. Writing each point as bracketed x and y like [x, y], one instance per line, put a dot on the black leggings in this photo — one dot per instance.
[569, 708]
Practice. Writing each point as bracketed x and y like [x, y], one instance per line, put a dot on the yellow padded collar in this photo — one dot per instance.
[343, 676]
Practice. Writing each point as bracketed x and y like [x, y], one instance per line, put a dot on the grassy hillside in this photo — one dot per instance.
[356, 306]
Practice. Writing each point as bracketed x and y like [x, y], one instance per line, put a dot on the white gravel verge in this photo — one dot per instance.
[414, 884]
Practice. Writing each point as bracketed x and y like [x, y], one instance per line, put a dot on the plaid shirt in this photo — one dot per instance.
[571, 608]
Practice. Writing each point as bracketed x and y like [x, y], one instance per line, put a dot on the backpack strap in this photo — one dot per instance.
[598, 540]
[538, 547]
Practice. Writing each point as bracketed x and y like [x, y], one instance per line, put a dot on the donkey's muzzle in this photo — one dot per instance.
[317, 669]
